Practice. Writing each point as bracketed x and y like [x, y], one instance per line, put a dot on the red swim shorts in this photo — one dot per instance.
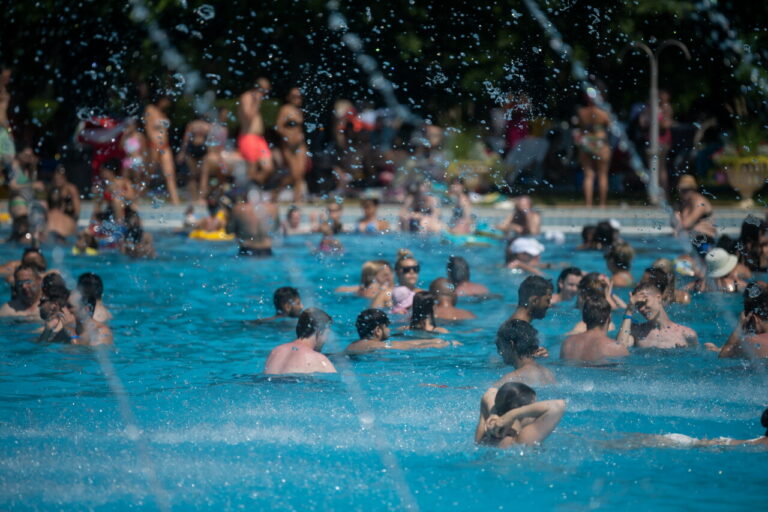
[253, 147]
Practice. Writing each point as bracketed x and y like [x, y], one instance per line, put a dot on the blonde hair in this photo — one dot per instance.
[621, 255]
[369, 271]
[402, 255]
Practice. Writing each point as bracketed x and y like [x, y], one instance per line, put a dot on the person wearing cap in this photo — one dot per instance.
[658, 331]
[524, 253]
[722, 274]
[694, 216]
[373, 328]
[523, 221]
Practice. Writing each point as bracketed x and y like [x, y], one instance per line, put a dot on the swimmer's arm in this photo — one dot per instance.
[691, 338]
[625, 335]
[486, 404]
[732, 347]
[534, 223]
[382, 300]
[418, 344]
[546, 414]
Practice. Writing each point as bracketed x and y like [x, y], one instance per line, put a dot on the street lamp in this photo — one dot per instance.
[653, 185]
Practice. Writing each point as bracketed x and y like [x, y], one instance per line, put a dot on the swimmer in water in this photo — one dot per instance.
[567, 285]
[423, 313]
[90, 286]
[288, 305]
[658, 331]
[593, 344]
[445, 308]
[510, 415]
[458, 274]
[533, 299]
[25, 300]
[88, 331]
[618, 259]
[373, 329]
[750, 337]
[302, 355]
[376, 276]
[518, 344]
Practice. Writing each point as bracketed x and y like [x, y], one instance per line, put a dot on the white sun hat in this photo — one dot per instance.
[720, 263]
[526, 245]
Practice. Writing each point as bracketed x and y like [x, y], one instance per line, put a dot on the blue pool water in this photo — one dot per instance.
[215, 434]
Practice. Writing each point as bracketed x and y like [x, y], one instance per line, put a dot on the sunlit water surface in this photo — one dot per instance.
[220, 436]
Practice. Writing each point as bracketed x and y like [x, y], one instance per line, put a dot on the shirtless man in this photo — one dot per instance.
[523, 221]
[194, 147]
[26, 295]
[533, 299]
[517, 343]
[251, 143]
[288, 305]
[88, 331]
[91, 287]
[302, 355]
[293, 149]
[567, 285]
[252, 221]
[157, 127]
[445, 308]
[659, 331]
[510, 415]
[373, 329]
[750, 337]
[593, 344]
[458, 275]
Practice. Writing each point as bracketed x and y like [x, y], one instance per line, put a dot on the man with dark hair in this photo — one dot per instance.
[88, 331]
[25, 299]
[533, 299]
[373, 329]
[593, 344]
[567, 285]
[518, 342]
[91, 287]
[458, 275]
[288, 304]
[302, 355]
[658, 331]
[750, 337]
[446, 301]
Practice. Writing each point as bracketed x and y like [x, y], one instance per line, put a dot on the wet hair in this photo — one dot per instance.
[443, 287]
[516, 336]
[25, 266]
[604, 233]
[588, 234]
[423, 308]
[90, 284]
[646, 285]
[89, 301]
[458, 270]
[591, 284]
[596, 311]
[620, 254]
[570, 271]
[283, 296]
[49, 304]
[369, 271]
[513, 395]
[764, 420]
[657, 277]
[312, 321]
[533, 286]
[756, 300]
[34, 262]
[53, 285]
[369, 320]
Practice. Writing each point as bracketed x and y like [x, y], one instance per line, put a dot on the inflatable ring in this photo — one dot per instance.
[211, 236]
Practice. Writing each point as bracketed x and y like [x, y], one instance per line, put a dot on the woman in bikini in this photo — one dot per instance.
[591, 137]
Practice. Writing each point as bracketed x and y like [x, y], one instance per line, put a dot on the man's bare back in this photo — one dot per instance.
[591, 346]
[531, 373]
[296, 357]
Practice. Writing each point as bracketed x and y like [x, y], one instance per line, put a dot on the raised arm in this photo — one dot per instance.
[486, 404]
[546, 415]
[625, 336]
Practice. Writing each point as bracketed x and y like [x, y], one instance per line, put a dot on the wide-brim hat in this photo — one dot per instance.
[720, 263]
[526, 245]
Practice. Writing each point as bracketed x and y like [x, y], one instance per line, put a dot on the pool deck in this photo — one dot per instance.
[566, 219]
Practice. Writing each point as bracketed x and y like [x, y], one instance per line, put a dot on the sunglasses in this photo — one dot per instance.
[410, 268]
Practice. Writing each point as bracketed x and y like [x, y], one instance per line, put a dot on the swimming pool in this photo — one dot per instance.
[393, 431]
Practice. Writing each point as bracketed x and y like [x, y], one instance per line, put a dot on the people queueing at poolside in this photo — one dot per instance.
[287, 303]
[593, 344]
[457, 271]
[511, 415]
[523, 221]
[374, 331]
[567, 285]
[658, 331]
[517, 342]
[446, 309]
[303, 355]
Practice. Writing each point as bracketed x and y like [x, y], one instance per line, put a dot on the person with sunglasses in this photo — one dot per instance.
[407, 269]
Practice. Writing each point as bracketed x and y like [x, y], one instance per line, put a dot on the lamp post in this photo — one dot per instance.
[653, 185]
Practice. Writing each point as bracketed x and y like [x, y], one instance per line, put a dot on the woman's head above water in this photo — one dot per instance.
[407, 269]
[513, 395]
